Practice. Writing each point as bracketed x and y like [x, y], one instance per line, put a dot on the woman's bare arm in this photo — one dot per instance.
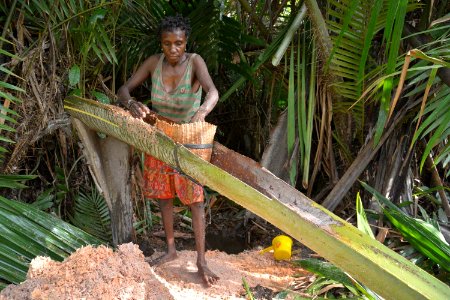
[212, 95]
[137, 109]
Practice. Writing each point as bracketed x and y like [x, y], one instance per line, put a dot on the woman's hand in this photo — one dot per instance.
[199, 116]
[137, 109]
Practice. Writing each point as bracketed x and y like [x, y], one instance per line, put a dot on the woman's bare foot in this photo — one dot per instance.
[209, 278]
[163, 259]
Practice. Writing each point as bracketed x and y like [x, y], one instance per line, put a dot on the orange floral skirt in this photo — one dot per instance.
[163, 182]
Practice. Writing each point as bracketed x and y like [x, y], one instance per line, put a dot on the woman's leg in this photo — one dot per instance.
[198, 224]
[166, 208]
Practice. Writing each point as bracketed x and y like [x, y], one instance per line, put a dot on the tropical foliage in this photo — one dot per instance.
[365, 85]
[27, 232]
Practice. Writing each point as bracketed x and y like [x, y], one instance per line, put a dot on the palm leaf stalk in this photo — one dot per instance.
[291, 128]
[329, 274]
[323, 36]
[367, 260]
[289, 36]
[301, 92]
[310, 117]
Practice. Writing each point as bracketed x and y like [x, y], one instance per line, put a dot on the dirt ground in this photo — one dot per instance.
[232, 253]
[101, 273]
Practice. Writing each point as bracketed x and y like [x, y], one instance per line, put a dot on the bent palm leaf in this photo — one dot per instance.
[27, 232]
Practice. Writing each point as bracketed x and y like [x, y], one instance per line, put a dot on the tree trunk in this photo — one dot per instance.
[108, 160]
[275, 156]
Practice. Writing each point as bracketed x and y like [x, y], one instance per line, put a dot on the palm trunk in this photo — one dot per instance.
[245, 182]
[108, 161]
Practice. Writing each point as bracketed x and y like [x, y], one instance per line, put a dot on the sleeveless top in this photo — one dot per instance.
[181, 103]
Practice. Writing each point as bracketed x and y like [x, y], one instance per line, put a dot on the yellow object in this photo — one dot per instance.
[281, 246]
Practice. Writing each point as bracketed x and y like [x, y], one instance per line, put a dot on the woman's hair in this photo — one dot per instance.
[172, 23]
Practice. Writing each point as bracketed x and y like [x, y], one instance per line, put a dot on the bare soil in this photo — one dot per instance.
[233, 241]
[101, 273]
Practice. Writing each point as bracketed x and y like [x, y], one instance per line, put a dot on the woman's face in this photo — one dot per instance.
[173, 45]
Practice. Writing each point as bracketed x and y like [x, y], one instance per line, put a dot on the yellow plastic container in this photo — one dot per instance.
[281, 246]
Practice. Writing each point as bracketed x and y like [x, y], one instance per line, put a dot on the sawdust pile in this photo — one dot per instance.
[100, 273]
[90, 273]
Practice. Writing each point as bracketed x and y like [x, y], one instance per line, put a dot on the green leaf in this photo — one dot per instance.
[324, 269]
[109, 49]
[98, 14]
[7, 118]
[363, 224]
[7, 128]
[26, 232]
[393, 44]
[346, 21]
[5, 70]
[4, 139]
[9, 54]
[310, 117]
[438, 110]
[74, 75]
[14, 181]
[262, 58]
[76, 92]
[438, 136]
[247, 289]
[91, 213]
[11, 87]
[391, 14]
[101, 97]
[291, 129]
[45, 200]
[7, 110]
[421, 235]
[375, 11]
[331, 274]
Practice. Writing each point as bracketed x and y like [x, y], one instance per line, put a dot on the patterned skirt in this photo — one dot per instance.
[163, 182]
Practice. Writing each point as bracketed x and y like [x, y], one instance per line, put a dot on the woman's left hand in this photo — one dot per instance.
[199, 116]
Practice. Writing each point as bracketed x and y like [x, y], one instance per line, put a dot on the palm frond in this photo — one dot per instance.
[27, 232]
[437, 124]
[330, 274]
[291, 128]
[263, 57]
[8, 120]
[353, 24]
[14, 181]
[91, 214]
[423, 236]
[87, 28]
[136, 32]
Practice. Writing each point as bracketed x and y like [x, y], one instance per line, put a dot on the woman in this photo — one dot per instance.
[178, 79]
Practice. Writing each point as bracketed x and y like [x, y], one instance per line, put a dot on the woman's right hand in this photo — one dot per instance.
[138, 109]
